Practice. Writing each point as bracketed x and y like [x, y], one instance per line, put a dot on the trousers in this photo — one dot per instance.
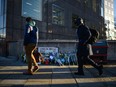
[29, 49]
[81, 60]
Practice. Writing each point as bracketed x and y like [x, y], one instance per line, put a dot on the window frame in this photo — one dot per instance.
[61, 10]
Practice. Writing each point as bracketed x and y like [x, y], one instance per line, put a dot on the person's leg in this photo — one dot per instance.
[95, 65]
[90, 61]
[32, 48]
[28, 57]
[80, 66]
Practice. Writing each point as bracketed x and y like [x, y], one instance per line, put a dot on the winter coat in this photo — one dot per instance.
[83, 36]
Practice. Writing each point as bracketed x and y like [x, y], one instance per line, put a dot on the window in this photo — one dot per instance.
[74, 18]
[32, 8]
[105, 2]
[1, 22]
[102, 8]
[109, 11]
[2, 33]
[109, 4]
[2, 19]
[112, 13]
[88, 3]
[94, 5]
[0, 7]
[102, 12]
[106, 10]
[57, 15]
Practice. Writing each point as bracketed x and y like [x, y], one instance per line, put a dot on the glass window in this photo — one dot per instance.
[94, 5]
[112, 13]
[106, 10]
[105, 2]
[57, 15]
[109, 4]
[102, 8]
[74, 18]
[32, 8]
[1, 22]
[2, 33]
[88, 3]
[109, 11]
[102, 12]
[0, 7]
[2, 19]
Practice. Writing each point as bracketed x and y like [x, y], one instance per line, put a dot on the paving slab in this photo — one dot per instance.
[92, 79]
[11, 75]
[62, 77]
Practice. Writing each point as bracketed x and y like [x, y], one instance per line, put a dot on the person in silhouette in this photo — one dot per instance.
[83, 48]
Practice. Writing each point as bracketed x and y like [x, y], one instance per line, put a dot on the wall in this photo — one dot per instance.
[62, 45]
[16, 48]
[111, 50]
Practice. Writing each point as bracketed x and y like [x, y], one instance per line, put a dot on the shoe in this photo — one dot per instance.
[100, 70]
[77, 73]
[27, 73]
[36, 68]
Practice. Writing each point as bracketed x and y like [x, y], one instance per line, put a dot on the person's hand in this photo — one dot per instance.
[35, 47]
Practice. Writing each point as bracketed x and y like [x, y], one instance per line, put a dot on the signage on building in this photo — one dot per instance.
[48, 49]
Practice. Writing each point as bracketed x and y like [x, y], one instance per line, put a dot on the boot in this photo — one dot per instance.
[100, 70]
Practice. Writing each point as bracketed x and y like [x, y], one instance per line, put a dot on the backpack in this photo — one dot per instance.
[94, 36]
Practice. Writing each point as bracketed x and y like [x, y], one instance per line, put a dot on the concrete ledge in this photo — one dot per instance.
[60, 41]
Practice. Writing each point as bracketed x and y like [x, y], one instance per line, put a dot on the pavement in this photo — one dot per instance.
[11, 75]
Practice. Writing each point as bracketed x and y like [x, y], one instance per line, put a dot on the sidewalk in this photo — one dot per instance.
[55, 76]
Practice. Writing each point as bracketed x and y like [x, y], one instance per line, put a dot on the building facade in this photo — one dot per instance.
[109, 19]
[54, 18]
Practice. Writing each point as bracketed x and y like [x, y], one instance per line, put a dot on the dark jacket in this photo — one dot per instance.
[31, 36]
[83, 36]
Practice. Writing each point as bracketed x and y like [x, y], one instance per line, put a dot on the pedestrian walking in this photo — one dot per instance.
[83, 48]
[30, 44]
